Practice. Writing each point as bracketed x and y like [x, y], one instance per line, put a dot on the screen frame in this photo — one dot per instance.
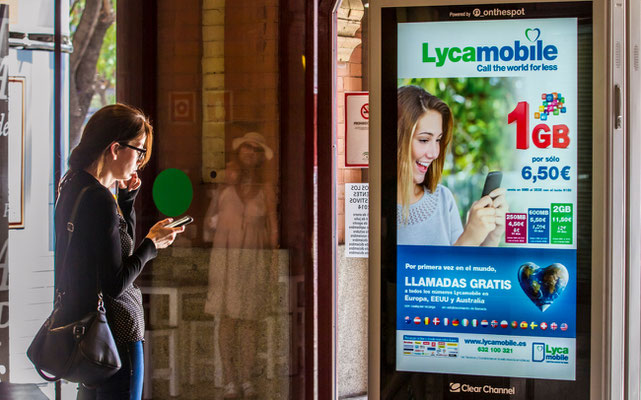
[603, 171]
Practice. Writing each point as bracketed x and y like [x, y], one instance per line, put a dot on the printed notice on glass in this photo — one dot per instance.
[356, 220]
[357, 129]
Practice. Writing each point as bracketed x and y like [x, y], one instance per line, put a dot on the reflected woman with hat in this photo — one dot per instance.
[243, 218]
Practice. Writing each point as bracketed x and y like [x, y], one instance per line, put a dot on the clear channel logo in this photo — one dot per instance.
[456, 387]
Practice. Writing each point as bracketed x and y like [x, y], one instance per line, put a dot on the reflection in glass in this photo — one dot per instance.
[243, 263]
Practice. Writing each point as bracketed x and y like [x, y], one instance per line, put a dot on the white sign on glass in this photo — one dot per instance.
[356, 220]
[357, 129]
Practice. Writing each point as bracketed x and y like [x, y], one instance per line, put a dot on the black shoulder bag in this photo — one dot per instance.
[83, 351]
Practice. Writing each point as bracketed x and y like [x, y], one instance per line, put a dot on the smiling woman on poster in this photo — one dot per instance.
[426, 211]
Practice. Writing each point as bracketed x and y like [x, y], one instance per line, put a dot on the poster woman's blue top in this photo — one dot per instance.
[433, 220]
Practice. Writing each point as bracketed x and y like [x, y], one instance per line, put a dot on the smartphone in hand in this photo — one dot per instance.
[180, 222]
[492, 181]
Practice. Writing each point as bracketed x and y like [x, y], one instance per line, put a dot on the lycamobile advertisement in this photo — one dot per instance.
[487, 194]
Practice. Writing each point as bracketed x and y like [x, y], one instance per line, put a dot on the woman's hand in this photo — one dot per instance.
[132, 184]
[499, 203]
[481, 220]
[163, 236]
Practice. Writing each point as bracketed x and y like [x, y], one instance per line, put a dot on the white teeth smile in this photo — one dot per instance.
[425, 164]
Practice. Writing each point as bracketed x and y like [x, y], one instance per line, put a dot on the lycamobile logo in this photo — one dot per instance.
[533, 51]
[556, 353]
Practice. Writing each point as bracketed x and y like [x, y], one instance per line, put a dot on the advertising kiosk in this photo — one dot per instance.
[503, 211]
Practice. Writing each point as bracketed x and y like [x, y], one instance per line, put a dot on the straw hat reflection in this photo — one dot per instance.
[256, 138]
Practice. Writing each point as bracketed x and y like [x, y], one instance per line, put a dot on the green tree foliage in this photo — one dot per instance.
[106, 66]
[93, 61]
[482, 140]
[107, 60]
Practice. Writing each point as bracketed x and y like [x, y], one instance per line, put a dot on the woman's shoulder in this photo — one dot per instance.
[94, 195]
[95, 192]
[446, 197]
[444, 192]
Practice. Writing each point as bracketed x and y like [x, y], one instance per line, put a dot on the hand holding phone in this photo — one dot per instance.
[499, 204]
[492, 181]
[164, 232]
[186, 220]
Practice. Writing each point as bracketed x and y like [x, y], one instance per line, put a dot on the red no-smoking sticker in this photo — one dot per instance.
[365, 111]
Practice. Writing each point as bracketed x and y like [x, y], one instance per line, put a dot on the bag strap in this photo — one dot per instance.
[66, 368]
[46, 377]
[70, 229]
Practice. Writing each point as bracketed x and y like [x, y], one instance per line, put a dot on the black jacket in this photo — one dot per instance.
[95, 249]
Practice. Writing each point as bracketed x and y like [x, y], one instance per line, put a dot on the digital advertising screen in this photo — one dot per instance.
[488, 195]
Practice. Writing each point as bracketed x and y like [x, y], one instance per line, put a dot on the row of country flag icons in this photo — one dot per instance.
[485, 323]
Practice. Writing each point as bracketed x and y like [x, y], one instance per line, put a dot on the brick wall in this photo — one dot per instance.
[217, 80]
[213, 89]
[349, 79]
[251, 74]
[178, 125]
[240, 79]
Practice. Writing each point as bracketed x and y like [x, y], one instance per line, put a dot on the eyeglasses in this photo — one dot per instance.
[141, 152]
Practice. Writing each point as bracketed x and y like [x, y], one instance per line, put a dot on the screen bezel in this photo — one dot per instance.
[382, 224]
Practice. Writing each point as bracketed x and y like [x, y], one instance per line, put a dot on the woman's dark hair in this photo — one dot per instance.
[118, 123]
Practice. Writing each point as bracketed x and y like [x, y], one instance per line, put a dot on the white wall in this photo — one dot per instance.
[31, 247]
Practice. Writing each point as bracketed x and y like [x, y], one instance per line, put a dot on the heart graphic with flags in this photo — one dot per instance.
[532, 34]
[543, 285]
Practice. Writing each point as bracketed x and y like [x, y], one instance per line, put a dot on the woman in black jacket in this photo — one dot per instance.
[115, 143]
